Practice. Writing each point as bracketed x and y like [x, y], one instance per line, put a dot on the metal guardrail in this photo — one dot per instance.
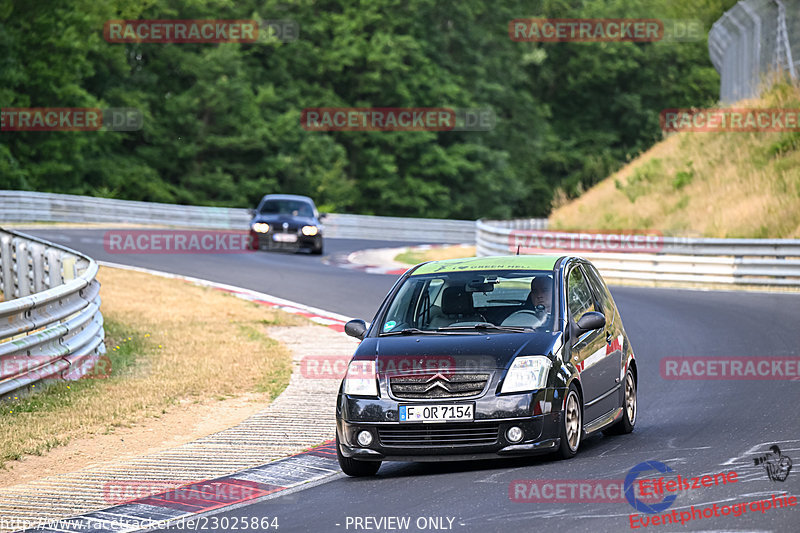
[28, 206]
[50, 322]
[753, 39]
[681, 259]
[774, 262]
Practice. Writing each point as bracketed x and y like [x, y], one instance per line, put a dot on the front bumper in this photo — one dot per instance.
[538, 414]
[265, 241]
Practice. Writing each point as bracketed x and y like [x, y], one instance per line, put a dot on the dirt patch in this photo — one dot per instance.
[178, 354]
[190, 422]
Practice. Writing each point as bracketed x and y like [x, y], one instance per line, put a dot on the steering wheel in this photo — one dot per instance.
[525, 317]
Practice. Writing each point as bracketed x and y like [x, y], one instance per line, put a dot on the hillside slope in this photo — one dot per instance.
[729, 184]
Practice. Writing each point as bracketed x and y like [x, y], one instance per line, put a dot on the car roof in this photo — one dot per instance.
[287, 197]
[509, 262]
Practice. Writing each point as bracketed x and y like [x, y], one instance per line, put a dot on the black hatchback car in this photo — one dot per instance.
[486, 357]
[287, 222]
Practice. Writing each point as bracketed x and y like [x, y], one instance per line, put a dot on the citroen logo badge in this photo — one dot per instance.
[437, 376]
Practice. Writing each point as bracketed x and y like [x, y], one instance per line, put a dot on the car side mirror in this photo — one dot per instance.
[251, 212]
[591, 320]
[356, 328]
[322, 215]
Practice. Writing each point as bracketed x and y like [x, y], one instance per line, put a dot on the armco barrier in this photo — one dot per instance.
[50, 322]
[773, 262]
[28, 206]
[679, 259]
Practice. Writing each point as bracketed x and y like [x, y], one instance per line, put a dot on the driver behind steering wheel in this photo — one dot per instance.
[541, 295]
[538, 306]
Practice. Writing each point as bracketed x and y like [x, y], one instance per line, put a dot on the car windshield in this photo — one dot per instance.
[286, 207]
[482, 301]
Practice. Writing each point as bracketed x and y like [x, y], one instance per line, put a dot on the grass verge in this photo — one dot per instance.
[169, 343]
[735, 184]
[415, 256]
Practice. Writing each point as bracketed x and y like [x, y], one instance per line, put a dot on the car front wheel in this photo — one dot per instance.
[571, 424]
[354, 467]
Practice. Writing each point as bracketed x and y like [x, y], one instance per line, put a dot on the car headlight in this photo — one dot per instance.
[261, 227]
[310, 230]
[526, 374]
[361, 379]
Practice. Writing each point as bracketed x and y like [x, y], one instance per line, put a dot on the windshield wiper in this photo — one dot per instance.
[487, 325]
[410, 331]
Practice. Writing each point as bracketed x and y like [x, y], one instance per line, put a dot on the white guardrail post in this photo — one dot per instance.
[50, 322]
[774, 262]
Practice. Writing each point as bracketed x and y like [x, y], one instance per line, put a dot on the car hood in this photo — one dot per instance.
[278, 219]
[459, 352]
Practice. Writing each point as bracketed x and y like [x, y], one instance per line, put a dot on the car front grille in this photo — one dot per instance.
[424, 435]
[437, 386]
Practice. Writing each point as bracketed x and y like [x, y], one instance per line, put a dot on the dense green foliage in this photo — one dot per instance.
[222, 121]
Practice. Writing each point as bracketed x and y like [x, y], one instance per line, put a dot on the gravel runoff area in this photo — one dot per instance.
[301, 417]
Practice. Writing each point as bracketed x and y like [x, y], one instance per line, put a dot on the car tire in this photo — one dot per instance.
[629, 407]
[317, 250]
[571, 424]
[354, 467]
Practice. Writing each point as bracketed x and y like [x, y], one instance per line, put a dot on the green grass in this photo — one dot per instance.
[125, 347]
[711, 184]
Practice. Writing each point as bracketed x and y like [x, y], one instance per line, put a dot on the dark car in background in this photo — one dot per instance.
[287, 222]
[486, 357]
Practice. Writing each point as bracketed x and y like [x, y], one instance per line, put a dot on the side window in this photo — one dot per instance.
[600, 289]
[579, 297]
[399, 314]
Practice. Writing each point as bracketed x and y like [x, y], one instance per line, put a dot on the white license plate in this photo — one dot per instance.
[437, 413]
[284, 237]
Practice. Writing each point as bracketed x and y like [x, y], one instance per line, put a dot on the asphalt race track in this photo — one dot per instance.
[299, 277]
[695, 427]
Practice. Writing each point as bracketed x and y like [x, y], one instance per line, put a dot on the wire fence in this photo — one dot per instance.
[752, 42]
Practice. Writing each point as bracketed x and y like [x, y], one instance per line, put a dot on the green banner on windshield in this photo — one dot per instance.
[516, 262]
